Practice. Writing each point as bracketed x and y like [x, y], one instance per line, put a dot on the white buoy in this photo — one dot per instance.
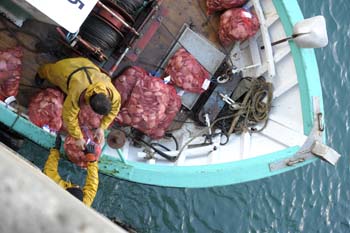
[308, 33]
[311, 33]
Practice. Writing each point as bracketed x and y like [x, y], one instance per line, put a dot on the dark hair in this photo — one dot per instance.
[77, 192]
[100, 104]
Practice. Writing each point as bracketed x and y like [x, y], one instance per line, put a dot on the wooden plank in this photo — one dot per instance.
[283, 134]
[245, 145]
[279, 55]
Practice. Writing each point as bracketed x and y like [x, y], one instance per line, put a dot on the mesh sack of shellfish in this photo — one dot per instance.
[10, 72]
[219, 5]
[45, 109]
[187, 73]
[88, 118]
[127, 80]
[75, 154]
[237, 24]
[151, 108]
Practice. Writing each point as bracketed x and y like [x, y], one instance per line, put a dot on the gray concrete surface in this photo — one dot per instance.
[30, 202]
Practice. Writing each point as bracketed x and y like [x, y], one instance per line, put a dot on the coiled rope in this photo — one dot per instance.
[253, 109]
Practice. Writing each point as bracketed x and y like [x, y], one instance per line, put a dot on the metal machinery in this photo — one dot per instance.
[105, 31]
[114, 30]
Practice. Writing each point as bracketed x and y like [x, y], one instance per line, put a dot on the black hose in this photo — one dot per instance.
[170, 135]
[141, 141]
[161, 153]
[160, 145]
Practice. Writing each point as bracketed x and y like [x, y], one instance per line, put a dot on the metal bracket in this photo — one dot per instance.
[313, 146]
[325, 152]
[229, 101]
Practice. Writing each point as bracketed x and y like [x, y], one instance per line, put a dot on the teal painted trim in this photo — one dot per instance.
[121, 155]
[197, 176]
[170, 176]
[305, 62]
[24, 127]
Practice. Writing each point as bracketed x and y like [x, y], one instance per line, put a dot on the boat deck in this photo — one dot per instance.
[285, 118]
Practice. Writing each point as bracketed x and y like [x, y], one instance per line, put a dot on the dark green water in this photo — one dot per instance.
[314, 198]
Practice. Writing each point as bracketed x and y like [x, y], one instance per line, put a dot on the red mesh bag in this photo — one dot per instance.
[45, 108]
[10, 71]
[75, 154]
[88, 118]
[151, 107]
[126, 81]
[186, 72]
[219, 5]
[237, 25]
[173, 107]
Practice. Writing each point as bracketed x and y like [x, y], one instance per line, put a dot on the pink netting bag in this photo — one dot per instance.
[88, 118]
[186, 72]
[45, 109]
[219, 5]
[127, 80]
[151, 108]
[237, 25]
[75, 154]
[10, 72]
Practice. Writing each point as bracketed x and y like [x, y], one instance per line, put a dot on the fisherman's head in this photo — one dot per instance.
[77, 192]
[100, 103]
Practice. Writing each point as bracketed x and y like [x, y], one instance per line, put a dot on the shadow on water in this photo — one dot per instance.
[310, 199]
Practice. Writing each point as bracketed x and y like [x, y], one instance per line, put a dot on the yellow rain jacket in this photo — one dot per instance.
[75, 76]
[91, 183]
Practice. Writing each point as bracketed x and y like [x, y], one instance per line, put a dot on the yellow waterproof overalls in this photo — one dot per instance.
[76, 76]
[91, 183]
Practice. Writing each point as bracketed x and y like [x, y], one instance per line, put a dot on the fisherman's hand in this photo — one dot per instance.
[80, 143]
[58, 141]
[90, 152]
[99, 135]
[89, 148]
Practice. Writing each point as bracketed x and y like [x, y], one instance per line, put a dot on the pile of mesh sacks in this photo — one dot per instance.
[148, 104]
[236, 23]
[10, 72]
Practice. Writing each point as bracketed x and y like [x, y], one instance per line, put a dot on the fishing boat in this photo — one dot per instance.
[281, 54]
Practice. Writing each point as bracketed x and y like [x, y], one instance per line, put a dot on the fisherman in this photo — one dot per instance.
[88, 193]
[82, 81]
